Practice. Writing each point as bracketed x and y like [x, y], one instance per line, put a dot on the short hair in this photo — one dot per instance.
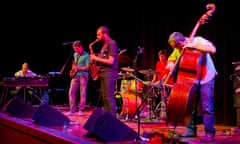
[25, 64]
[104, 29]
[163, 52]
[176, 37]
[77, 43]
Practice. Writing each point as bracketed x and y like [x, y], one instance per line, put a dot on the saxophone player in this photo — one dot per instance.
[108, 68]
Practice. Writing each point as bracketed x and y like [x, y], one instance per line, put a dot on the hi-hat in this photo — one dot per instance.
[127, 69]
[123, 74]
[148, 72]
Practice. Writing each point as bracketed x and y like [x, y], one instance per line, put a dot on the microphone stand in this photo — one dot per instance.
[137, 107]
[66, 62]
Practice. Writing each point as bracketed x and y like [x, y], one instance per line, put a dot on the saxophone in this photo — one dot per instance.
[93, 68]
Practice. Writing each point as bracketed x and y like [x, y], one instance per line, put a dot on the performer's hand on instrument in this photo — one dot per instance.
[170, 65]
[92, 57]
[237, 68]
[189, 44]
[74, 66]
[153, 80]
[147, 83]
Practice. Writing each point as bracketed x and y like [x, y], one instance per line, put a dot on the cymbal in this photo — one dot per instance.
[123, 74]
[127, 69]
[148, 72]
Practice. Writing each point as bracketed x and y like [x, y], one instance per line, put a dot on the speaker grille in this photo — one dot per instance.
[108, 128]
[19, 108]
[48, 116]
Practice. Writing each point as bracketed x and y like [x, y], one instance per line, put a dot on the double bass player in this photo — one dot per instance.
[203, 86]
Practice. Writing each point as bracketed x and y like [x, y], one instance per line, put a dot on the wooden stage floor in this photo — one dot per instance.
[25, 130]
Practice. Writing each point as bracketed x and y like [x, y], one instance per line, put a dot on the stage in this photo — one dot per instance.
[40, 127]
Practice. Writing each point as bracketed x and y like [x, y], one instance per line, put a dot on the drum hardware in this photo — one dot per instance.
[161, 108]
[148, 109]
[150, 96]
[130, 85]
[160, 111]
[122, 82]
[128, 69]
[124, 75]
[148, 72]
[155, 85]
[151, 110]
[126, 105]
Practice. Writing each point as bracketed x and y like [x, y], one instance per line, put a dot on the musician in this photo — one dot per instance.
[160, 67]
[108, 62]
[79, 74]
[204, 85]
[160, 75]
[22, 73]
[25, 71]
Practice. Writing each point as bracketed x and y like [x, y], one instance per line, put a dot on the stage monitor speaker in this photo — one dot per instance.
[108, 128]
[19, 108]
[48, 116]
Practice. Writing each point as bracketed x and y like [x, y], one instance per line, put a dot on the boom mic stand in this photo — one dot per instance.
[140, 50]
[62, 69]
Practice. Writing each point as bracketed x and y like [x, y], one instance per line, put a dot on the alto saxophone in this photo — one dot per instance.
[93, 69]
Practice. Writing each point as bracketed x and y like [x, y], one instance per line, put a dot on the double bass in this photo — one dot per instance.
[180, 105]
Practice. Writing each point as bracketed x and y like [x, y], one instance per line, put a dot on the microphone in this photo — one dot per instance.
[141, 49]
[122, 51]
[67, 43]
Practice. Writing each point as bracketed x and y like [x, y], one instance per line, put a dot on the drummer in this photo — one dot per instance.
[160, 74]
[160, 67]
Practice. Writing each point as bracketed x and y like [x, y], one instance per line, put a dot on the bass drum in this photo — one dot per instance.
[127, 103]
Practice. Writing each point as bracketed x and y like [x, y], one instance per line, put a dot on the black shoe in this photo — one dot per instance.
[209, 137]
[190, 133]
[90, 135]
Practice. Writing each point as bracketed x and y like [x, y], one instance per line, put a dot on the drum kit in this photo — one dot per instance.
[136, 95]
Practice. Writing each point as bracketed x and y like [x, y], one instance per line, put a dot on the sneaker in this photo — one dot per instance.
[190, 133]
[80, 113]
[70, 113]
[209, 137]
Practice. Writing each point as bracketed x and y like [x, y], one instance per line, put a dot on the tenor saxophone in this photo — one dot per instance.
[93, 68]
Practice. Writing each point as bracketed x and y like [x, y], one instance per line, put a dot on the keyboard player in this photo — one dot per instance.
[25, 72]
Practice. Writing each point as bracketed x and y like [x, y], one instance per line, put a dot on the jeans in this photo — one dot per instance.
[79, 82]
[206, 96]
